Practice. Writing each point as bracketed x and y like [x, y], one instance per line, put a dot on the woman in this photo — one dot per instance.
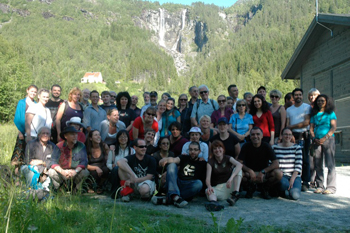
[207, 132]
[224, 175]
[290, 158]
[241, 122]
[185, 112]
[165, 96]
[126, 114]
[144, 122]
[17, 158]
[69, 109]
[248, 98]
[323, 125]
[97, 153]
[262, 118]
[38, 115]
[278, 113]
[223, 111]
[169, 116]
[229, 102]
[110, 127]
[176, 139]
[312, 95]
[160, 110]
[195, 134]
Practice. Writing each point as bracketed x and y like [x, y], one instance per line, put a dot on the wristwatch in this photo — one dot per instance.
[263, 171]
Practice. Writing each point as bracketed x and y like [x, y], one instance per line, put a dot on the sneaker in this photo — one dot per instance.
[286, 194]
[126, 198]
[180, 203]
[158, 200]
[250, 191]
[304, 188]
[265, 193]
[233, 199]
[213, 206]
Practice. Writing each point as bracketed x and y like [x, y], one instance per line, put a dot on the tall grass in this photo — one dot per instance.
[8, 134]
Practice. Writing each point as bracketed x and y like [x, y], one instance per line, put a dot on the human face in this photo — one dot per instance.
[106, 99]
[149, 116]
[233, 92]
[175, 132]
[248, 99]
[32, 92]
[312, 97]
[194, 151]
[44, 98]
[222, 102]
[94, 98]
[194, 137]
[86, 94]
[241, 107]
[165, 97]
[256, 136]
[44, 136]
[262, 92]
[194, 92]
[229, 103]
[165, 144]
[287, 135]
[76, 97]
[134, 100]
[71, 138]
[154, 99]
[222, 127]
[321, 103]
[149, 136]
[123, 139]
[289, 102]
[56, 92]
[162, 107]
[204, 93]
[274, 98]
[218, 152]
[183, 100]
[141, 148]
[169, 104]
[76, 126]
[96, 137]
[113, 96]
[257, 103]
[146, 98]
[113, 117]
[205, 123]
[298, 97]
[123, 101]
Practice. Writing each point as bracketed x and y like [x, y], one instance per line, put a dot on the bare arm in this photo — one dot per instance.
[164, 161]
[130, 126]
[237, 149]
[28, 122]
[238, 166]
[283, 120]
[303, 124]
[135, 133]
[58, 119]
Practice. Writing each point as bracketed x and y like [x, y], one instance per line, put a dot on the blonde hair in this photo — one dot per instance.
[74, 90]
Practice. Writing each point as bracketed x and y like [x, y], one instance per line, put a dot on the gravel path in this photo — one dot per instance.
[312, 213]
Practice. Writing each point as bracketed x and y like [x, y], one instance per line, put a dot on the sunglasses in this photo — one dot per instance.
[113, 96]
[165, 143]
[203, 92]
[240, 105]
[183, 99]
[150, 114]
[221, 101]
[274, 96]
[143, 146]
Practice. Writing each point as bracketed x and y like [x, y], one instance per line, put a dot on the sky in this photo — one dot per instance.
[224, 3]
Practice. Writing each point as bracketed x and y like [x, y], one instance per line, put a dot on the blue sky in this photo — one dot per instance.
[225, 3]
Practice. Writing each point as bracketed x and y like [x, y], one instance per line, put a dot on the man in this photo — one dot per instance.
[230, 141]
[69, 160]
[262, 91]
[288, 100]
[94, 114]
[186, 182]
[176, 139]
[146, 97]
[137, 172]
[255, 156]
[86, 95]
[204, 106]
[149, 139]
[106, 98]
[53, 104]
[153, 102]
[193, 91]
[37, 160]
[133, 106]
[298, 120]
[233, 93]
[113, 97]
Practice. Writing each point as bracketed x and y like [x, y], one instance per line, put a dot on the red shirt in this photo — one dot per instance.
[265, 122]
[138, 124]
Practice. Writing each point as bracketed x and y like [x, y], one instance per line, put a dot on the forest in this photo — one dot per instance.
[57, 41]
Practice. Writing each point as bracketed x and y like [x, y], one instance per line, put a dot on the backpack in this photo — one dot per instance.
[198, 101]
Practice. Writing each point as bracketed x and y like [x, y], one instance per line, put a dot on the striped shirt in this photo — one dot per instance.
[290, 159]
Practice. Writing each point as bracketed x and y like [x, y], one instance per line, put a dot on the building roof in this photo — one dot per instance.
[94, 74]
[308, 42]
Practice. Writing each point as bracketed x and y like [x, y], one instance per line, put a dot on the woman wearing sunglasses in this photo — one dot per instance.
[278, 113]
[147, 121]
[241, 122]
[223, 111]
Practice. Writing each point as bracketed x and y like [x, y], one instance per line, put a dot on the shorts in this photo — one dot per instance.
[151, 184]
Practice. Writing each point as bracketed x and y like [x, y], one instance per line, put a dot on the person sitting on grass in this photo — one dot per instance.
[137, 172]
[69, 161]
[76, 123]
[185, 182]
[224, 175]
[255, 156]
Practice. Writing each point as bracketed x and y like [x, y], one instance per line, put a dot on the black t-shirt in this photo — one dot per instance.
[257, 158]
[229, 143]
[156, 155]
[106, 108]
[151, 149]
[137, 112]
[142, 167]
[126, 116]
[192, 169]
[220, 172]
[53, 106]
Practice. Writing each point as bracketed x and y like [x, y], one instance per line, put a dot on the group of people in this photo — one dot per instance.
[201, 146]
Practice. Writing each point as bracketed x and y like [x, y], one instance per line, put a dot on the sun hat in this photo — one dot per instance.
[75, 120]
[69, 129]
[195, 130]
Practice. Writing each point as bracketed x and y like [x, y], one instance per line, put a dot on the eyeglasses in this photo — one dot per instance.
[183, 99]
[150, 114]
[193, 149]
[203, 92]
[165, 143]
[274, 96]
[113, 96]
[221, 101]
[141, 147]
[240, 105]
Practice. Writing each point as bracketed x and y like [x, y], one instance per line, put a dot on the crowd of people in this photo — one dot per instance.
[169, 152]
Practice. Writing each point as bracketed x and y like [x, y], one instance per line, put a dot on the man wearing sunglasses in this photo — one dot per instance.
[204, 106]
[137, 173]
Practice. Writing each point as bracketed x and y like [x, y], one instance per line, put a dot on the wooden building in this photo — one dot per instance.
[322, 60]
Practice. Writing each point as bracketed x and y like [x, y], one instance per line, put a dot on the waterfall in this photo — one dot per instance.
[178, 40]
[161, 27]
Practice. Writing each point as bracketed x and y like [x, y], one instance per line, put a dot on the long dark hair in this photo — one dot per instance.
[264, 106]
[161, 140]
[329, 105]
[119, 96]
[88, 144]
[117, 145]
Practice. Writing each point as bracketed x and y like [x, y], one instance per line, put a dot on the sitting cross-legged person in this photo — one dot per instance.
[186, 182]
[137, 172]
[255, 157]
[69, 161]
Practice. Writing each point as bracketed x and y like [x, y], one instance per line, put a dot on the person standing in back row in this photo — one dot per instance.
[53, 104]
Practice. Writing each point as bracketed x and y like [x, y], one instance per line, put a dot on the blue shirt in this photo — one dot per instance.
[322, 123]
[167, 120]
[93, 118]
[239, 125]
[204, 109]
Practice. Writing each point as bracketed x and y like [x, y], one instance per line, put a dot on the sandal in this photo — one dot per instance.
[327, 191]
[319, 191]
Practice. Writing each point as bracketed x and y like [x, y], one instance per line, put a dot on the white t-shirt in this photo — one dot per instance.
[42, 117]
[297, 115]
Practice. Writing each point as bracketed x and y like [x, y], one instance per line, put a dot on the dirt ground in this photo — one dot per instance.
[312, 213]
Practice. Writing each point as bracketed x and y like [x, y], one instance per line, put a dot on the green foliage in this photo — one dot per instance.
[233, 226]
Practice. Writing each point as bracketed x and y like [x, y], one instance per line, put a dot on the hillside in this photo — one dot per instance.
[147, 46]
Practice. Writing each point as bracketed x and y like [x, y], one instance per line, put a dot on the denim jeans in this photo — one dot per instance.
[305, 175]
[114, 179]
[186, 189]
[294, 193]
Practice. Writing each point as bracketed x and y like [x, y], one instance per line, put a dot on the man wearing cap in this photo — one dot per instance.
[37, 160]
[76, 123]
[195, 134]
[69, 160]
[94, 114]
[230, 141]
[204, 106]
[154, 97]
